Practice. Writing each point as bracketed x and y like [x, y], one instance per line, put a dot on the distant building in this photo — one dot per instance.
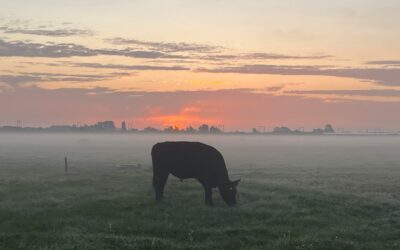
[123, 126]
[106, 125]
[281, 130]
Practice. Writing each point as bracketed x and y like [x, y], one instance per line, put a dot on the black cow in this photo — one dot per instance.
[192, 160]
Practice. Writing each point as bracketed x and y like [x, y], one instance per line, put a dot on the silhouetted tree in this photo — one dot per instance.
[190, 129]
[318, 131]
[329, 129]
[204, 129]
[215, 130]
[171, 129]
[150, 130]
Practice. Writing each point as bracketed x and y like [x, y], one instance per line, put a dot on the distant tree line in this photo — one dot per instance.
[328, 129]
[109, 126]
[203, 129]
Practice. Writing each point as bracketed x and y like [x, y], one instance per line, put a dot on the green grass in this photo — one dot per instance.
[283, 203]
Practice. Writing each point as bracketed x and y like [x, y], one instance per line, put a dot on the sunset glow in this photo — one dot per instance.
[181, 64]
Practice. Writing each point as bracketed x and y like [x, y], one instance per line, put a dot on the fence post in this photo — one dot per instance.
[66, 164]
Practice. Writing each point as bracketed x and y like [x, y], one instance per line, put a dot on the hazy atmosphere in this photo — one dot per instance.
[199, 124]
[296, 192]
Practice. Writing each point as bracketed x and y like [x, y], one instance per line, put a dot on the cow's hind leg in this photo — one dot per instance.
[208, 196]
[207, 193]
[159, 180]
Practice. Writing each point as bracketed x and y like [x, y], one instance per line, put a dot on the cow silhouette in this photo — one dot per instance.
[192, 160]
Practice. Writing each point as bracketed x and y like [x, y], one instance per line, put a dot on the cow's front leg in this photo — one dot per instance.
[208, 196]
[159, 180]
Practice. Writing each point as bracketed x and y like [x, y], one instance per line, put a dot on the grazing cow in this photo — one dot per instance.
[192, 160]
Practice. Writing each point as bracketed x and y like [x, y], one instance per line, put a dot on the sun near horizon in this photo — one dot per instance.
[175, 63]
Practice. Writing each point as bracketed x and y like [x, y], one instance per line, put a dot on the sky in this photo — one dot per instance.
[237, 64]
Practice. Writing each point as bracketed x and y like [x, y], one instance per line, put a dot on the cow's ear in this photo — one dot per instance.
[235, 183]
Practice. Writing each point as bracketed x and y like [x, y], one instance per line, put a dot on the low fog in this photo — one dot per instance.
[240, 151]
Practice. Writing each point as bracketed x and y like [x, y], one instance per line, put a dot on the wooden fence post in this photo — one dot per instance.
[66, 164]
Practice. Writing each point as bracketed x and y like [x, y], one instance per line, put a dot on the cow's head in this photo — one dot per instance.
[228, 192]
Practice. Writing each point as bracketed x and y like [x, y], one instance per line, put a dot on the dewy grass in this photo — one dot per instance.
[313, 198]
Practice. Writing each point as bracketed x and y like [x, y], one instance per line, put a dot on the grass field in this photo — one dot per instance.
[297, 192]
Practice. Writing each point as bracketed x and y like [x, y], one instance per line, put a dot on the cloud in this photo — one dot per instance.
[137, 53]
[281, 56]
[382, 76]
[211, 52]
[17, 79]
[22, 78]
[265, 69]
[145, 50]
[48, 32]
[165, 46]
[353, 92]
[134, 48]
[385, 62]
[274, 88]
[264, 56]
[128, 67]
[28, 27]
[29, 49]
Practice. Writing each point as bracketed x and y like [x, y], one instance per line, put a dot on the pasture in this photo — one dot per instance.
[297, 192]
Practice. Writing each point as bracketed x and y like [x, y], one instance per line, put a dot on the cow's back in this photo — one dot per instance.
[187, 159]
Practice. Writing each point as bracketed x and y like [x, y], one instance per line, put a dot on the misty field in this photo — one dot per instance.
[297, 192]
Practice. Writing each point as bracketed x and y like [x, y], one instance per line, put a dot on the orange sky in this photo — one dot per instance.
[237, 64]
